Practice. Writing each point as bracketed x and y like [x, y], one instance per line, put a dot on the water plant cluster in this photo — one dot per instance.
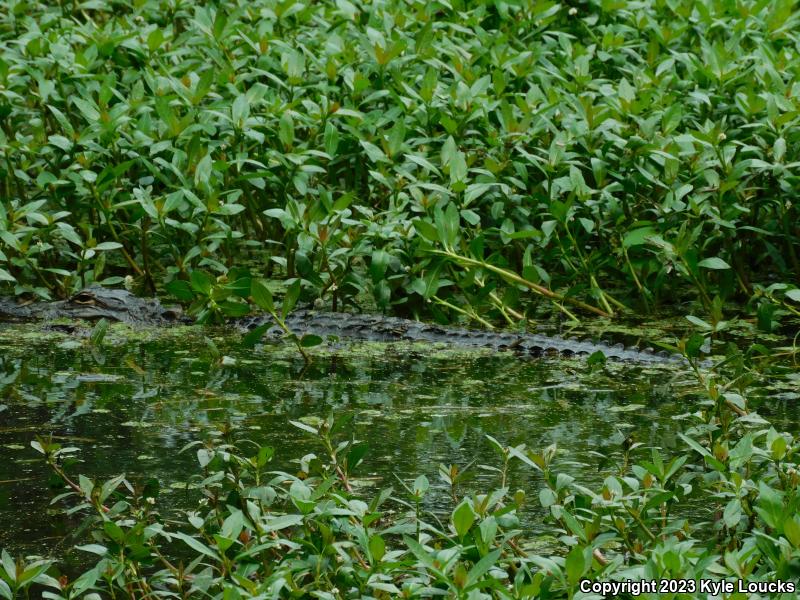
[455, 157]
[259, 532]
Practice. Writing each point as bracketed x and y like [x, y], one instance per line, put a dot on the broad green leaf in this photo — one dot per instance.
[626, 91]
[427, 230]
[596, 359]
[254, 336]
[197, 545]
[374, 153]
[108, 246]
[86, 581]
[699, 322]
[547, 497]
[220, 22]
[331, 139]
[234, 309]
[713, 263]
[233, 525]
[421, 486]
[694, 445]
[9, 566]
[291, 298]
[282, 522]
[422, 555]
[481, 567]
[377, 548]
[202, 173]
[458, 170]
[422, 162]
[262, 296]
[449, 151]
[286, 129]
[693, 345]
[310, 340]
[793, 294]
[378, 265]
[240, 110]
[114, 531]
[155, 39]
[88, 109]
[304, 427]
[181, 289]
[732, 513]
[575, 564]
[98, 332]
[201, 282]
[93, 548]
[791, 529]
[32, 572]
[447, 225]
[463, 517]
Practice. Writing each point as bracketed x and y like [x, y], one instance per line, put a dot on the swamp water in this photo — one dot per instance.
[132, 404]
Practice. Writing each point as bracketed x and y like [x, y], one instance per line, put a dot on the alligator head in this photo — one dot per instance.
[95, 303]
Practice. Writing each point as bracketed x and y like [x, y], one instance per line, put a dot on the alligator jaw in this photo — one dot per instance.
[14, 312]
[95, 313]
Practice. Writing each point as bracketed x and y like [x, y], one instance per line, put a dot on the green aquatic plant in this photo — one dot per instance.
[262, 297]
[255, 532]
[212, 300]
[468, 160]
[17, 577]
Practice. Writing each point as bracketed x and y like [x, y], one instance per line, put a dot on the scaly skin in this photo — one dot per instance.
[95, 303]
[379, 328]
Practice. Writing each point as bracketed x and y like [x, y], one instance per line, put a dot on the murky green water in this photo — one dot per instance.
[132, 405]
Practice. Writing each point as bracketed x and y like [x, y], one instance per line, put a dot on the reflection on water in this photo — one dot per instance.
[133, 405]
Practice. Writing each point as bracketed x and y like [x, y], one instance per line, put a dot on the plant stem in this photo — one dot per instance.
[514, 278]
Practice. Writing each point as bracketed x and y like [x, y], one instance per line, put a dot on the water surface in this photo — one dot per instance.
[131, 405]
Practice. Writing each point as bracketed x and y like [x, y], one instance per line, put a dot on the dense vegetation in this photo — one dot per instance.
[424, 153]
[450, 158]
[261, 533]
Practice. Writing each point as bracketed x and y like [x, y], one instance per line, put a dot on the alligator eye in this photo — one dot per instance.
[83, 298]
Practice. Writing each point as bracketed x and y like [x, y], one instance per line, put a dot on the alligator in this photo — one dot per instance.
[94, 303]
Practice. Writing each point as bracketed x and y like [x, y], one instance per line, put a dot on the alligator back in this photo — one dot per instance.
[379, 328]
